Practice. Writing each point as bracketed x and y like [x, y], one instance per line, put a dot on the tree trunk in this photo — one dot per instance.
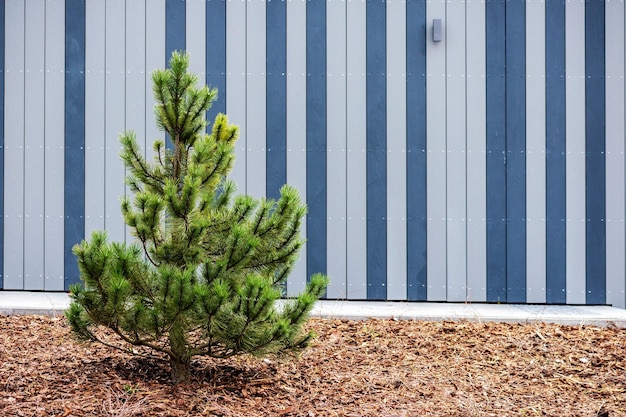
[181, 370]
[180, 360]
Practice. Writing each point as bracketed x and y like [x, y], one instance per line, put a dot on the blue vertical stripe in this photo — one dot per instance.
[555, 152]
[376, 175]
[316, 135]
[175, 21]
[416, 149]
[276, 97]
[74, 203]
[595, 135]
[496, 151]
[216, 55]
[516, 151]
[2, 40]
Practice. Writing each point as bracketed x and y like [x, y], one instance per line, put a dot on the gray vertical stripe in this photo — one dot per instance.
[575, 159]
[2, 80]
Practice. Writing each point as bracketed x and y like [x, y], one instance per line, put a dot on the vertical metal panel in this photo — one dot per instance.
[595, 137]
[95, 116]
[155, 56]
[255, 98]
[236, 81]
[2, 143]
[54, 129]
[436, 162]
[14, 147]
[135, 65]
[575, 161]
[296, 122]
[316, 135]
[216, 54]
[476, 157]
[615, 245]
[516, 151]
[74, 201]
[496, 152]
[416, 148]
[456, 168]
[396, 151]
[336, 157]
[175, 27]
[376, 170]
[555, 152]
[34, 140]
[276, 97]
[175, 34]
[115, 116]
[535, 152]
[356, 115]
[195, 27]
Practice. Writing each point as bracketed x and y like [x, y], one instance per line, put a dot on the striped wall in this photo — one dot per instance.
[488, 167]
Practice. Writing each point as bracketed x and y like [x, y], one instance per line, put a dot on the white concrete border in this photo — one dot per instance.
[54, 303]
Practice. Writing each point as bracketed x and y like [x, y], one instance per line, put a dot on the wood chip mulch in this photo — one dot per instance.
[354, 368]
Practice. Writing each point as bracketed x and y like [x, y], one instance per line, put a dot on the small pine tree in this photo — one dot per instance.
[207, 266]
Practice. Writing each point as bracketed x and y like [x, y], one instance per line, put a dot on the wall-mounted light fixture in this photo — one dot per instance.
[437, 30]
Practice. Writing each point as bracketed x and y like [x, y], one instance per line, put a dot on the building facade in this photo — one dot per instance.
[468, 151]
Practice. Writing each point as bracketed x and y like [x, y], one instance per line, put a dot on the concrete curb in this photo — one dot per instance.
[510, 313]
[54, 304]
[35, 303]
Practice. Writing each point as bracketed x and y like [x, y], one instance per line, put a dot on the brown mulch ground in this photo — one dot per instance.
[354, 368]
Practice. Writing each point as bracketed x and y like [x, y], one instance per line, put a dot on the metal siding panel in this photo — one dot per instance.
[216, 54]
[416, 148]
[236, 81]
[115, 123]
[34, 141]
[155, 56]
[496, 152]
[135, 63]
[175, 31]
[555, 152]
[2, 142]
[575, 160]
[195, 26]
[54, 128]
[436, 162]
[14, 147]
[515, 53]
[95, 116]
[476, 157]
[255, 98]
[336, 133]
[74, 167]
[316, 135]
[296, 123]
[396, 151]
[615, 245]
[595, 133]
[535, 153]
[456, 165]
[356, 115]
[376, 170]
[276, 97]
[175, 27]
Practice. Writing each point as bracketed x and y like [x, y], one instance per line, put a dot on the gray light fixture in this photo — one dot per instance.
[437, 30]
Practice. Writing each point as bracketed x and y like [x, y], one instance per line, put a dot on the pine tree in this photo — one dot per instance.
[207, 266]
